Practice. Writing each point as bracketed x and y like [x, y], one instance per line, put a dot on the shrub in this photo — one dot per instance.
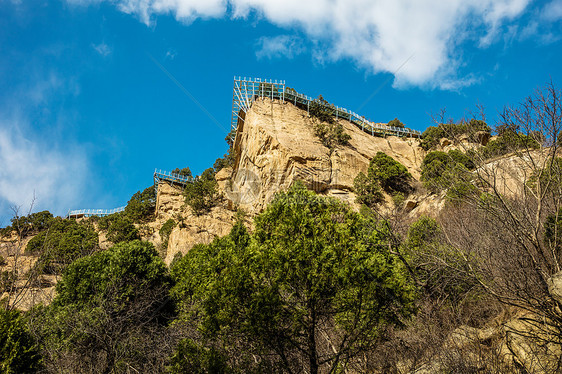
[391, 175]
[384, 173]
[450, 170]
[396, 123]
[185, 172]
[331, 134]
[368, 191]
[18, 351]
[129, 266]
[442, 270]
[64, 242]
[202, 194]
[190, 357]
[142, 204]
[321, 110]
[165, 232]
[122, 229]
[508, 142]
[26, 225]
[432, 135]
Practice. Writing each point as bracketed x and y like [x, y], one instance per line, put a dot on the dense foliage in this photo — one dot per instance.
[202, 194]
[391, 175]
[184, 172]
[384, 173]
[109, 308]
[142, 204]
[433, 134]
[368, 190]
[18, 350]
[26, 225]
[63, 242]
[122, 229]
[508, 141]
[396, 123]
[311, 267]
[448, 171]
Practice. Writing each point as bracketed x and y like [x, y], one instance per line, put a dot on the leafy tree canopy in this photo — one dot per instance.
[185, 172]
[18, 350]
[311, 266]
[432, 135]
[142, 204]
[63, 242]
[396, 123]
[202, 194]
[448, 171]
[129, 266]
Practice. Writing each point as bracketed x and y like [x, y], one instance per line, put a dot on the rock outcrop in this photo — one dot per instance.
[190, 229]
[276, 146]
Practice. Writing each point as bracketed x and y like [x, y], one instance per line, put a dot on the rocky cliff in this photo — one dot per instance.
[274, 147]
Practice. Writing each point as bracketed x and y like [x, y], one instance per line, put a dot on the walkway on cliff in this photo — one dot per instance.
[247, 90]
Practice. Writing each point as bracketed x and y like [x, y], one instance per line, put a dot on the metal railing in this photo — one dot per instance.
[160, 175]
[247, 90]
[93, 212]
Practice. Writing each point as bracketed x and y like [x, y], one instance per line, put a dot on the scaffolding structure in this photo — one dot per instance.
[162, 175]
[247, 90]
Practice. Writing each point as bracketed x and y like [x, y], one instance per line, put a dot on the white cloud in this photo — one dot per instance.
[35, 169]
[553, 11]
[102, 48]
[184, 10]
[379, 35]
[279, 46]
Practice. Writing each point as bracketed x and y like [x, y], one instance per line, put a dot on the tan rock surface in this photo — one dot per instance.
[276, 146]
[190, 229]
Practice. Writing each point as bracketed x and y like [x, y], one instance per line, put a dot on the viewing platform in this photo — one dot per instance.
[93, 212]
[247, 90]
[162, 175]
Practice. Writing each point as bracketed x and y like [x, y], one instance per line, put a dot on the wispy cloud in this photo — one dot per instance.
[102, 48]
[36, 169]
[378, 35]
[279, 46]
[552, 11]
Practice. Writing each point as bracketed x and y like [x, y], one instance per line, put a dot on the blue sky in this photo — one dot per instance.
[87, 112]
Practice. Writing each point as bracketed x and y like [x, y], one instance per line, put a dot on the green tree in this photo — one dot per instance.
[110, 312]
[64, 241]
[122, 229]
[309, 288]
[396, 123]
[202, 194]
[433, 134]
[142, 204]
[448, 171]
[18, 350]
[368, 191]
[190, 357]
[390, 174]
[185, 172]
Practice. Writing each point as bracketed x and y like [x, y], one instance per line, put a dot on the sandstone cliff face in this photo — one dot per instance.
[276, 146]
[190, 229]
